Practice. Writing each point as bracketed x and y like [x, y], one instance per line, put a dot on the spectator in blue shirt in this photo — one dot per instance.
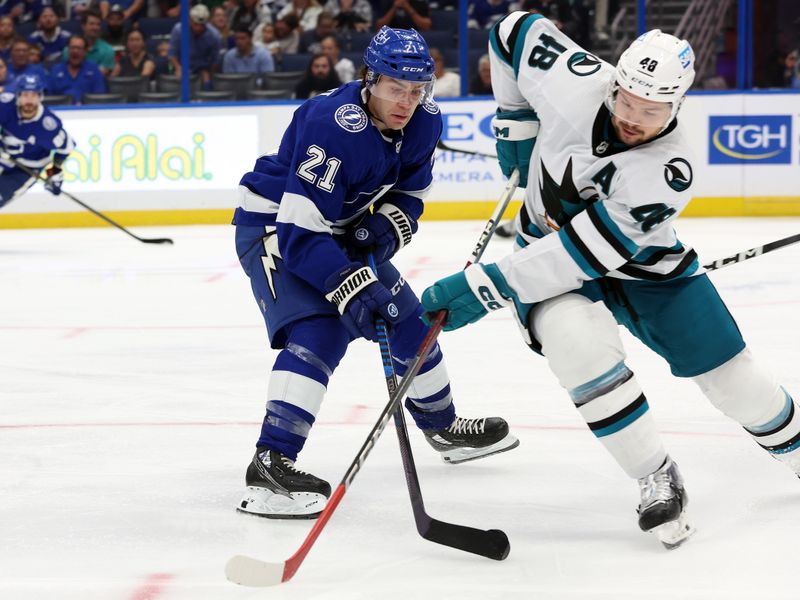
[50, 36]
[77, 76]
[204, 45]
[245, 57]
[20, 63]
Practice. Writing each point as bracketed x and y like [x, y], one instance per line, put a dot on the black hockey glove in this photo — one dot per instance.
[358, 295]
[383, 233]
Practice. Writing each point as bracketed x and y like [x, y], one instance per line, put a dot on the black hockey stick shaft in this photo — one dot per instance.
[442, 146]
[752, 253]
[37, 175]
[491, 544]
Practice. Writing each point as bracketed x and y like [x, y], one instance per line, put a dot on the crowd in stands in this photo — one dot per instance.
[89, 49]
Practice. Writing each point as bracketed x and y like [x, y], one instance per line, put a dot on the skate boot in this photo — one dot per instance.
[506, 230]
[468, 439]
[276, 490]
[662, 508]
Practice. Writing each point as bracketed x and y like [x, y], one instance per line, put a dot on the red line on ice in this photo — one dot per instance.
[152, 587]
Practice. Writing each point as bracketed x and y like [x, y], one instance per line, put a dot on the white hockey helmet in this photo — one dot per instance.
[658, 67]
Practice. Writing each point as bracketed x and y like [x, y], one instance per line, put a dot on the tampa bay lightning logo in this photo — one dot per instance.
[583, 64]
[6, 97]
[351, 117]
[362, 234]
[392, 310]
[678, 174]
[49, 123]
[431, 107]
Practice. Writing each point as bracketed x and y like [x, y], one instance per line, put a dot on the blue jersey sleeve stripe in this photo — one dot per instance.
[605, 225]
[516, 41]
[573, 246]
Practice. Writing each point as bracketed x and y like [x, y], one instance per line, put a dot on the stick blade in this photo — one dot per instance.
[492, 544]
[252, 572]
[156, 240]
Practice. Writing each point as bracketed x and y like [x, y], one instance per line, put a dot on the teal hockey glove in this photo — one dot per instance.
[515, 132]
[467, 296]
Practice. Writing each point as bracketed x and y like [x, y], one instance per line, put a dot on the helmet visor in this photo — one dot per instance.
[638, 111]
[401, 92]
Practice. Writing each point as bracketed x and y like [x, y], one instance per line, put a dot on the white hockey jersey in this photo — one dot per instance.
[593, 206]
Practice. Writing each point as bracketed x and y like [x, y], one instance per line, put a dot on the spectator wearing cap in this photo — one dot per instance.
[245, 57]
[20, 63]
[50, 36]
[404, 14]
[116, 31]
[344, 67]
[77, 75]
[310, 40]
[204, 45]
[130, 8]
[350, 14]
[99, 51]
[305, 11]
[135, 61]
[7, 37]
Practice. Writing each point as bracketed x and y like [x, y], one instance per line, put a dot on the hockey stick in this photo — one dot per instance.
[752, 253]
[37, 175]
[248, 571]
[442, 146]
[492, 543]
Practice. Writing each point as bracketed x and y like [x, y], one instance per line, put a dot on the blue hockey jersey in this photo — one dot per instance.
[332, 165]
[31, 142]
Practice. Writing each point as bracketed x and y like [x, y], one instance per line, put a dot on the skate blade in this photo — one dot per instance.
[674, 533]
[263, 502]
[461, 455]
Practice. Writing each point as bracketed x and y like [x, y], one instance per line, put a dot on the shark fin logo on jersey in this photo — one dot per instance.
[49, 123]
[431, 107]
[678, 174]
[583, 64]
[351, 117]
[562, 201]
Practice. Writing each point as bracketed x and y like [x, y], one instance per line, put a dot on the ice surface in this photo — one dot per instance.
[132, 385]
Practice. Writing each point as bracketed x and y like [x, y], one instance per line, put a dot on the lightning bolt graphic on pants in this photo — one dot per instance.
[271, 252]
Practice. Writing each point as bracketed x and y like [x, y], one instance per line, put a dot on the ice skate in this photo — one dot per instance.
[468, 439]
[506, 230]
[277, 490]
[662, 508]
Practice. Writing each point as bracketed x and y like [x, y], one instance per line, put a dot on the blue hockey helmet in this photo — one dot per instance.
[29, 83]
[401, 54]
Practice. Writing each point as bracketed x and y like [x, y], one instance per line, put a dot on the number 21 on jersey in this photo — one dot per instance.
[318, 157]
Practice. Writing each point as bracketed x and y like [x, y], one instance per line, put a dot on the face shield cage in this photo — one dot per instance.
[388, 88]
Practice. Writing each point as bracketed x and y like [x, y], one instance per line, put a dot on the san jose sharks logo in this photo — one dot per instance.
[562, 201]
[583, 64]
[678, 174]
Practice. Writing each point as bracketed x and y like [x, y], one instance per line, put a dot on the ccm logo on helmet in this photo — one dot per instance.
[413, 69]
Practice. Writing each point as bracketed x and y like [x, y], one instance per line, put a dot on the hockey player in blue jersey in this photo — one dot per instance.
[608, 174]
[32, 136]
[349, 178]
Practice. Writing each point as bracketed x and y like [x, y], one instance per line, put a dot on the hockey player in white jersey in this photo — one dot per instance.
[609, 172]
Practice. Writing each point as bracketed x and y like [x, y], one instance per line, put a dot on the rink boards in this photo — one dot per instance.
[181, 164]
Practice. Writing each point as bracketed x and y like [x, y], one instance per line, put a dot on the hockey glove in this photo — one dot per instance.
[467, 296]
[54, 180]
[515, 132]
[384, 232]
[357, 293]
